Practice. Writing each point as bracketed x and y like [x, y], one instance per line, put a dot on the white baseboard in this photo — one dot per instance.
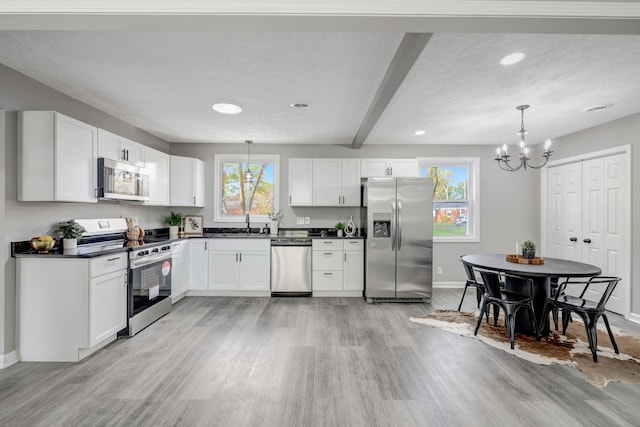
[8, 359]
[634, 317]
[354, 294]
[444, 285]
[208, 293]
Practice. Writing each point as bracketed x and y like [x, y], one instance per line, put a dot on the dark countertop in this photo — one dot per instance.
[92, 249]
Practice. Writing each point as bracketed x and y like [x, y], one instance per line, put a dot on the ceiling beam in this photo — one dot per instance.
[408, 52]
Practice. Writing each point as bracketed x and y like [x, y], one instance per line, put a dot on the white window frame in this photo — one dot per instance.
[255, 158]
[473, 193]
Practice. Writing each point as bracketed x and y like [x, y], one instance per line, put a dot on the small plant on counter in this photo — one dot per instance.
[69, 229]
[528, 249]
[275, 215]
[339, 226]
[174, 218]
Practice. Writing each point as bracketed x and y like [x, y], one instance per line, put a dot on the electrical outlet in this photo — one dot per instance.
[439, 271]
[307, 220]
[300, 220]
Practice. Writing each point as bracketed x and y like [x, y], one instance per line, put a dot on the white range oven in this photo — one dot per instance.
[149, 290]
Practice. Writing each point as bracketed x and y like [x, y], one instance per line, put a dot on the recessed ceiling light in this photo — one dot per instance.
[226, 108]
[512, 58]
[420, 132]
[301, 106]
[598, 108]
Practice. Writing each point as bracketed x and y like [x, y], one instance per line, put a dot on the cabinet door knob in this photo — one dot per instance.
[587, 240]
[573, 239]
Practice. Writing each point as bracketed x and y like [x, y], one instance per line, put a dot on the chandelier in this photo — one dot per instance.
[503, 155]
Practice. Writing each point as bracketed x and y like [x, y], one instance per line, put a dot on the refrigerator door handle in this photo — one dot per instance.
[399, 225]
[393, 226]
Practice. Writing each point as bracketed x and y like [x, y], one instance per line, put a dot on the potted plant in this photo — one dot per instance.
[339, 227]
[70, 231]
[528, 250]
[174, 219]
[274, 221]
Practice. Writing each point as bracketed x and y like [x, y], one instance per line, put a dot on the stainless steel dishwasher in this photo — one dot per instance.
[290, 266]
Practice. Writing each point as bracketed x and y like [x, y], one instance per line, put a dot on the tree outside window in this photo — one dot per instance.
[453, 197]
[235, 196]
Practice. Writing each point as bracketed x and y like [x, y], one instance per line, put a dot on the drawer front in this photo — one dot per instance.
[239, 244]
[354, 245]
[327, 281]
[327, 260]
[321, 244]
[107, 264]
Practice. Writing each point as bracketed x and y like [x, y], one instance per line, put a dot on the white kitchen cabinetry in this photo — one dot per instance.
[338, 267]
[187, 181]
[157, 167]
[116, 147]
[180, 271]
[240, 267]
[56, 158]
[336, 182]
[300, 182]
[69, 308]
[376, 168]
[353, 271]
[199, 263]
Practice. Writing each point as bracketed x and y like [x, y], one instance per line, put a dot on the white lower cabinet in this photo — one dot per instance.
[239, 267]
[338, 267]
[69, 308]
[199, 264]
[223, 270]
[180, 270]
[230, 267]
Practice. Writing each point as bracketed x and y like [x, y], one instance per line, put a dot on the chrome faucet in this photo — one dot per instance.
[248, 230]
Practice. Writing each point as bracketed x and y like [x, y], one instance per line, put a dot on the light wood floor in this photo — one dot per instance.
[307, 362]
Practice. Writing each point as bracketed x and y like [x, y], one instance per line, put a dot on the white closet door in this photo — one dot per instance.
[555, 206]
[572, 248]
[593, 210]
[615, 262]
[586, 208]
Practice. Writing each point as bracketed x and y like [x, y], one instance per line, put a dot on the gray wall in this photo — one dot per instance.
[613, 134]
[5, 294]
[509, 202]
[23, 220]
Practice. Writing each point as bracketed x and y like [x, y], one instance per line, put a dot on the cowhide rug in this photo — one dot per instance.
[572, 349]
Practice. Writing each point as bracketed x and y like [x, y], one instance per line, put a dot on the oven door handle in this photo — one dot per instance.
[137, 263]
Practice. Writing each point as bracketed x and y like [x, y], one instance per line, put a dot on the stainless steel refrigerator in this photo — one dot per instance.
[399, 239]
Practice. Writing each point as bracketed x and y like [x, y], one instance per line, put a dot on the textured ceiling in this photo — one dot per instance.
[165, 82]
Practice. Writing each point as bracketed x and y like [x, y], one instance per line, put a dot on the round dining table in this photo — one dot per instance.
[539, 274]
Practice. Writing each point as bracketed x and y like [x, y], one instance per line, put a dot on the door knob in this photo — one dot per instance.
[587, 240]
[573, 239]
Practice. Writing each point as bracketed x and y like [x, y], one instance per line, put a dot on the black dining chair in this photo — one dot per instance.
[509, 301]
[471, 281]
[590, 311]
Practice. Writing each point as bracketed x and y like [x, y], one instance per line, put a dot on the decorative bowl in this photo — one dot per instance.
[42, 246]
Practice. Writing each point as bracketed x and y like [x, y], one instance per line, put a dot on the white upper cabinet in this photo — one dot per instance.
[187, 182]
[350, 171]
[115, 147]
[336, 182]
[157, 167]
[56, 158]
[326, 182]
[300, 182]
[375, 168]
[370, 168]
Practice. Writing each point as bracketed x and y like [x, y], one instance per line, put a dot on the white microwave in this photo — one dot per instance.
[121, 181]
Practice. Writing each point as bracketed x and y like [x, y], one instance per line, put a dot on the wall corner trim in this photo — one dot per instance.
[8, 359]
[634, 317]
